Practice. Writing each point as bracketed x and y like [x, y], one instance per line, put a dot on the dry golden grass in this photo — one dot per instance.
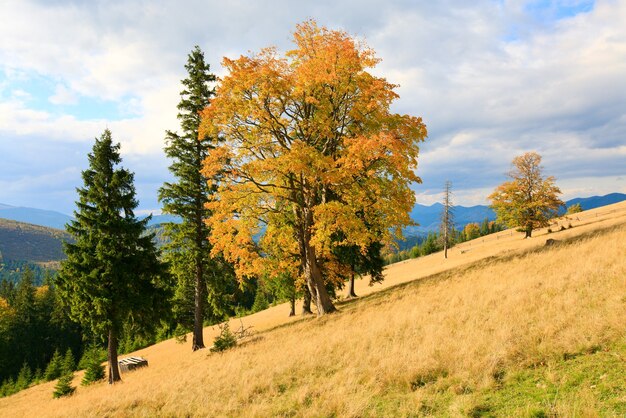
[504, 304]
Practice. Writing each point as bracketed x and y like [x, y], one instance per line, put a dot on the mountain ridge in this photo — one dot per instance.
[426, 216]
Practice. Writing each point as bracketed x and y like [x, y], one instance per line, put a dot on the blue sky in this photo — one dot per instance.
[492, 79]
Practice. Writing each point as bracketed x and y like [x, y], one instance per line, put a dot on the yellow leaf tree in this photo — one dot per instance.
[528, 200]
[310, 151]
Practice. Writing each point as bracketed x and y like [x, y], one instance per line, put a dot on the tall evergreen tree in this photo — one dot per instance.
[188, 251]
[112, 272]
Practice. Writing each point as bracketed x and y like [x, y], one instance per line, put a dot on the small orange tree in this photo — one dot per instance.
[310, 149]
[529, 200]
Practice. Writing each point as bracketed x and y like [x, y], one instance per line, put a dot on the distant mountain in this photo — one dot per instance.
[597, 201]
[48, 218]
[27, 242]
[161, 219]
[429, 217]
[57, 220]
[25, 245]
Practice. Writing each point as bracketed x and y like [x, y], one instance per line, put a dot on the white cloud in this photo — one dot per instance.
[63, 96]
[490, 79]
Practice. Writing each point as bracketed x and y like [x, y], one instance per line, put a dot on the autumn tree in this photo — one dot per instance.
[471, 231]
[575, 208]
[446, 227]
[297, 128]
[199, 276]
[112, 273]
[528, 200]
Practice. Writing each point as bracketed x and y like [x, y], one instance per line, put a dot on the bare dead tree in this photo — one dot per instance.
[447, 219]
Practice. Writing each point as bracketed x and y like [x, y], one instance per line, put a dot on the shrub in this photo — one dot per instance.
[225, 340]
[575, 208]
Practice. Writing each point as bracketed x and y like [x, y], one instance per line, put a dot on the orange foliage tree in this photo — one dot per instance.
[471, 231]
[310, 152]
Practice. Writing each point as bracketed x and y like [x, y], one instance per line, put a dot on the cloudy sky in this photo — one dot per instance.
[492, 79]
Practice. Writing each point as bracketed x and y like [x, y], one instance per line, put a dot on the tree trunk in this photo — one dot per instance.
[306, 304]
[315, 282]
[312, 274]
[114, 369]
[351, 293]
[292, 302]
[529, 231]
[445, 250]
[198, 318]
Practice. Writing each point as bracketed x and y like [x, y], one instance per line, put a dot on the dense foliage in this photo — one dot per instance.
[33, 327]
[112, 274]
[311, 150]
[200, 277]
[529, 200]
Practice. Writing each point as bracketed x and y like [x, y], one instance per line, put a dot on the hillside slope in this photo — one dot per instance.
[504, 327]
[26, 242]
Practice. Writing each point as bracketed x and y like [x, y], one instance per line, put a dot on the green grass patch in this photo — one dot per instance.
[589, 383]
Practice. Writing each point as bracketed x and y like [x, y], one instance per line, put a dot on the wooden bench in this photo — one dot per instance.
[132, 363]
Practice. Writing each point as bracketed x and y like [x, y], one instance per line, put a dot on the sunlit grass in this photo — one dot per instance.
[522, 331]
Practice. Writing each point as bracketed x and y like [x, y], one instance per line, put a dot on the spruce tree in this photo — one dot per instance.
[112, 272]
[55, 367]
[200, 278]
[68, 361]
[24, 378]
[64, 386]
[94, 370]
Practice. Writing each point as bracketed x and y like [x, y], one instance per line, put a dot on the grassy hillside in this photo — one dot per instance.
[21, 241]
[23, 244]
[504, 327]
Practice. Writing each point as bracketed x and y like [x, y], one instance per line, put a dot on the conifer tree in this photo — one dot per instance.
[112, 272]
[24, 378]
[68, 361]
[55, 367]
[94, 370]
[188, 252]
[64, 385]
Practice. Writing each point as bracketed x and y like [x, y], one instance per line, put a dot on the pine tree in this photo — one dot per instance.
[24, 378]
[112, 272]
[188, 252]
[68, 361]
[64, 386]
[55, 367]
[94, 370]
